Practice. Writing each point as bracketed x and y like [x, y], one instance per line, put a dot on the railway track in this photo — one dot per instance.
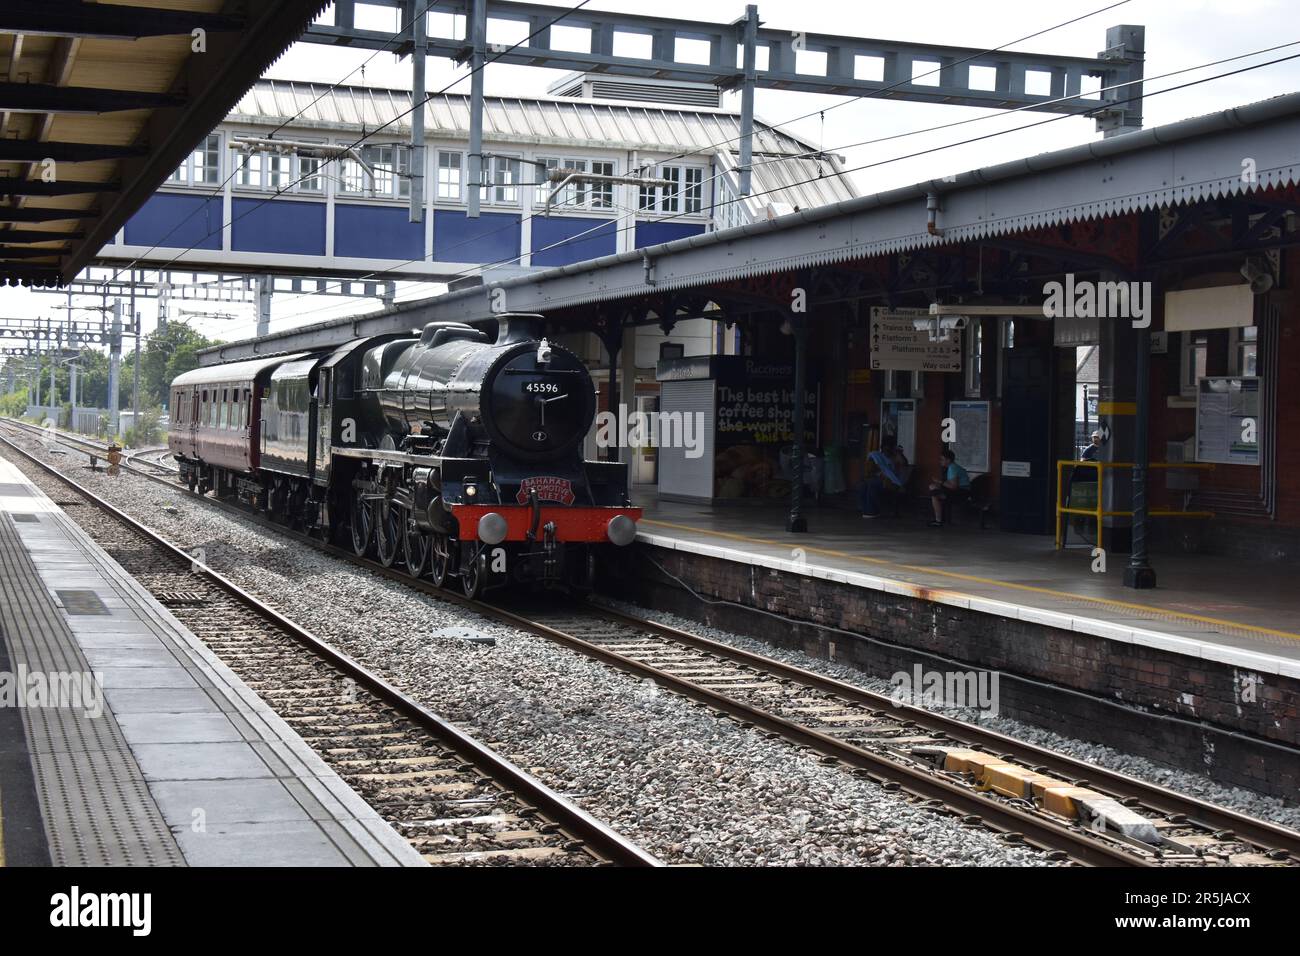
[453, 798]
[987, 778]
[145, 457]
[876, 734]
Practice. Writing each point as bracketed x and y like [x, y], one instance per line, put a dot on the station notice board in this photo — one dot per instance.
[898, 425]
[1227, 420]
[971, 442]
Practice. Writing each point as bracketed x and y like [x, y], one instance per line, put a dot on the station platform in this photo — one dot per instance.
[125, 741]
[1218, 609]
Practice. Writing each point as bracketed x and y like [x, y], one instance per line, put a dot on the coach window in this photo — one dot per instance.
[248, 407]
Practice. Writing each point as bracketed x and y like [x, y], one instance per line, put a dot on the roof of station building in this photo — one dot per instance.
[802, 177]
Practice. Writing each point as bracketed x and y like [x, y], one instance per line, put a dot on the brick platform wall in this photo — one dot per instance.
[1180, 710]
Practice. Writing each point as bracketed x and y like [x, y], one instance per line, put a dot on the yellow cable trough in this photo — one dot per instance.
[975, 579]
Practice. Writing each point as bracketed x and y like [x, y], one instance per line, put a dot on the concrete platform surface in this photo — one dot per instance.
[1219, 609]
[153, 752]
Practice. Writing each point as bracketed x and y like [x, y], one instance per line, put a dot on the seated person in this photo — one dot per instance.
[891, 471]
[953, 485]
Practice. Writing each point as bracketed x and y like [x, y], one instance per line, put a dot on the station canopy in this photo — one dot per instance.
[101, 102]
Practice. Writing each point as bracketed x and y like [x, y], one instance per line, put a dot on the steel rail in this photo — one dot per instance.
[579, 824]
[1042, 759]
[1034, 829]
[1163, 800]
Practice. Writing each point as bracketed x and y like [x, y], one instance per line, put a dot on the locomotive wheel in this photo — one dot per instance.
[473, 576]
[388, 532]
[440, 560]
[191, 481]
[416, 546]
[363, 527]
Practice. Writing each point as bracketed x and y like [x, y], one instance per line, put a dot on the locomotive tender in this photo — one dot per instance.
[453, 454]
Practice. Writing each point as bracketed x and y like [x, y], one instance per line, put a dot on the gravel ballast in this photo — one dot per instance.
[1182, 781]
[688, 786]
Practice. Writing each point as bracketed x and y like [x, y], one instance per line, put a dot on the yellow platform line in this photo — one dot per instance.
[975, 579]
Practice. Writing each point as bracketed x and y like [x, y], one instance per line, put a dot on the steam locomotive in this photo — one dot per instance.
[452, 454]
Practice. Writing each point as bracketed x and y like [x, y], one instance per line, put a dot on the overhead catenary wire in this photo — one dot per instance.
[975, 139]
[236, 169]
[935, 149]
[368, 134]
[854, 98]
[325, 161]
[478, 270]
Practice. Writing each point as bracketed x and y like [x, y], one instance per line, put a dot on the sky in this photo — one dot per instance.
[1179, 35]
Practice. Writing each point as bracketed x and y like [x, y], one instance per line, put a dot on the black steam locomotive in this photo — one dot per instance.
[450, 453]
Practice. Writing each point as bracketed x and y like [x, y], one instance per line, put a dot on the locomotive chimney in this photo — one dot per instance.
[518, 327]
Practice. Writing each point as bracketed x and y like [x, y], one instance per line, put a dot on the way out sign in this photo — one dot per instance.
[897, 345]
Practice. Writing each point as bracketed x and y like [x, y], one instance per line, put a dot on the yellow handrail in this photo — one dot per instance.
[1099, 512]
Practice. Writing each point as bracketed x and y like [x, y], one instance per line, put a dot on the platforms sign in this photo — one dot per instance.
[897, 345]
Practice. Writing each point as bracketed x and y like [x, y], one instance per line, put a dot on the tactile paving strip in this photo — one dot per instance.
[97, 808]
